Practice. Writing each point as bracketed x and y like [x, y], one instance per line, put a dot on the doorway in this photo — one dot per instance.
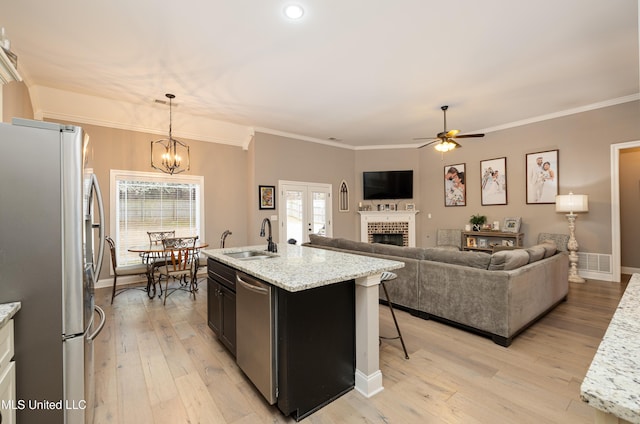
[616, 248]
[307, 210]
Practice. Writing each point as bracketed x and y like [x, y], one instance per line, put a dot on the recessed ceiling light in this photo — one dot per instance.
[293, 11]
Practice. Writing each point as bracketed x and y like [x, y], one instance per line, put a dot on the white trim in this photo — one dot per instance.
[615, 206]
[153, 177]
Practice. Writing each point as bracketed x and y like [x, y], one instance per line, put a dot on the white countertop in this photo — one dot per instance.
[612, 383]
[297, 268]
[7, 311]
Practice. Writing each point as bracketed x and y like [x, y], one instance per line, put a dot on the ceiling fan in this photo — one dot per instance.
[445, 140]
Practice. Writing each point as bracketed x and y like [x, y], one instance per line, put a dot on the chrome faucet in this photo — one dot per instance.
[224, 237]
[271, 246]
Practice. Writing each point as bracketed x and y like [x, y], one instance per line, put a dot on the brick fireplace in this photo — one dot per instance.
[390, 227]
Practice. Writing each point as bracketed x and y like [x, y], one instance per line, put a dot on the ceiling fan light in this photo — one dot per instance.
[446, 146]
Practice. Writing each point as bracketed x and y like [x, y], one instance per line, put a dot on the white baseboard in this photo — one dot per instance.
[123, 281]
[629, 270]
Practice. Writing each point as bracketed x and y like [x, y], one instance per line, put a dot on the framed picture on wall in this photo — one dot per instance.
[542, 176]
[455, 193]
[493, 180]
[267, 197]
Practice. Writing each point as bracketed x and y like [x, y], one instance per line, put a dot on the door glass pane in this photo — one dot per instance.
[294, 201]
[319, 200]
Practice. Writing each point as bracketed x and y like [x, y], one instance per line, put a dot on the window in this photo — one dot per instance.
[147, 201]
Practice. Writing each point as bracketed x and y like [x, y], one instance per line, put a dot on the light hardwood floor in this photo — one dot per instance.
[162, 364]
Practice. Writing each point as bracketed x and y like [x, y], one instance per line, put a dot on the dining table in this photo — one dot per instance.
[151, 253]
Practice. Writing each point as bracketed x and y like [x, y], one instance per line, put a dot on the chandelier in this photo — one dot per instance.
[169, 152]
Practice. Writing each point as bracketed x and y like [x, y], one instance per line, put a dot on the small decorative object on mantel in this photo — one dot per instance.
[410, 207]
[477, 221]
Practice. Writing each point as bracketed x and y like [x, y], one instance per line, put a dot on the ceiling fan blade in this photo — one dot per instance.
[422, 138]
[452, 133]
[429, 143]
[469, 135]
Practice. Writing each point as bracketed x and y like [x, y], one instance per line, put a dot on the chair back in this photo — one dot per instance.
[180, 254]
[561, 240]
[112, 249]
[449, 238]
[156, 237]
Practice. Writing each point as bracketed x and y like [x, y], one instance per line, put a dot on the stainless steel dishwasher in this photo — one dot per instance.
[255, 333]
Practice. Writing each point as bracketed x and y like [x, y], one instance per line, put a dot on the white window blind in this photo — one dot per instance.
[143, 201]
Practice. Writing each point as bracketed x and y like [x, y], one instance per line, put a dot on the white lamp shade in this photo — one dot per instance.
[572, 203]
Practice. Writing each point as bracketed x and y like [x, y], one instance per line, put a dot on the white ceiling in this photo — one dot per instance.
[367, 72]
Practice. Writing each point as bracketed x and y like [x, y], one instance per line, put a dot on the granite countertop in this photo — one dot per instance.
[7, 311]
[296, 268]
[612, 383]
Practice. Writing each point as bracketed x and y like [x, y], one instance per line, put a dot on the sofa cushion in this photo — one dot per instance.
[535, 253]
[401, 251]
[323, 241]
[508, 259]
[465, 258]
[550, 248]
[358, 246]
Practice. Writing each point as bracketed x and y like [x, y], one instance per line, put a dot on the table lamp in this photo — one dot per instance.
[572, 203]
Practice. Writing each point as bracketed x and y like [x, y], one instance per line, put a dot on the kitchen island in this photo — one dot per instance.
[612, 383]
[299, 270]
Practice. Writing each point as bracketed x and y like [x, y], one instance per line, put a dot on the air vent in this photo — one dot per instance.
[594, 262]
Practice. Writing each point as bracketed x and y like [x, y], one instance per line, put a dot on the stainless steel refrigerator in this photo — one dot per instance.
[48, 196]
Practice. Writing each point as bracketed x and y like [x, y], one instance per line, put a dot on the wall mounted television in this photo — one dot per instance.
[379, 185]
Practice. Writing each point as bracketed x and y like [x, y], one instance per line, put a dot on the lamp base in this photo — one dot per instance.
[576, 279]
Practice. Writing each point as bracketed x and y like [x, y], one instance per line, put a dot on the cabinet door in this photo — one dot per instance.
[228, 326]
[214, 306]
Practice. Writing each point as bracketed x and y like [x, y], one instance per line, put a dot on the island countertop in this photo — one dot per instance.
[612, 384]
[295, 268]
[7, 311]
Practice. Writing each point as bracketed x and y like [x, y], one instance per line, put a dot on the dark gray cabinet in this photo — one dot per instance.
[221, 303]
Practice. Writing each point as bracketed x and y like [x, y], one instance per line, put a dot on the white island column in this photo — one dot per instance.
[368, 377]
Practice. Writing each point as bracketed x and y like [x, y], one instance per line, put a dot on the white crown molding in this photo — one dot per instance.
[58, 104]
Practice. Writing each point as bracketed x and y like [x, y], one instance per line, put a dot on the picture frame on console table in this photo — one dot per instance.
[455, 192]
[493, 177]
[512, 225]
[267, 197]
[542, 176]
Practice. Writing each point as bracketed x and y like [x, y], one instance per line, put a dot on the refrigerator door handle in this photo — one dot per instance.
[103, 319]
[100, 225]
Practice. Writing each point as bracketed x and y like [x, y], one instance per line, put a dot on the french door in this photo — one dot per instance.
[306, 209]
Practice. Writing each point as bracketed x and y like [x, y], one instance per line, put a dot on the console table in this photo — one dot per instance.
[486, 240]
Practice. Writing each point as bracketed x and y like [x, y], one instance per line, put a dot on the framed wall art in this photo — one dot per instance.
[493, 177]
[542, 176]
[455, 193]
[267, 197]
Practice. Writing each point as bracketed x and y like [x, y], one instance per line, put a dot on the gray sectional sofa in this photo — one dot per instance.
[497, 295]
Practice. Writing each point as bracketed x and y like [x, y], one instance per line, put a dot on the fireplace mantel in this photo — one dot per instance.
[368, 217]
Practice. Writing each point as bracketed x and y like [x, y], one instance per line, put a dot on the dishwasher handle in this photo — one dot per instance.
[253, 286]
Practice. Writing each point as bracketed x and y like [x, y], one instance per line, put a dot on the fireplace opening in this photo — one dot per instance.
[395, 239]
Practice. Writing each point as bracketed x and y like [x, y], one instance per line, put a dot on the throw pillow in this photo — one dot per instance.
[536, 253]
[550, 248]
[506, 260]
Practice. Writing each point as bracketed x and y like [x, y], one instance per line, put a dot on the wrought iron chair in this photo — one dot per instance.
[155, 260]
[121, 271]
[179, 263]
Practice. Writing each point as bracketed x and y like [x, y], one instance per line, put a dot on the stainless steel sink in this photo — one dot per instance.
[250, 255]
